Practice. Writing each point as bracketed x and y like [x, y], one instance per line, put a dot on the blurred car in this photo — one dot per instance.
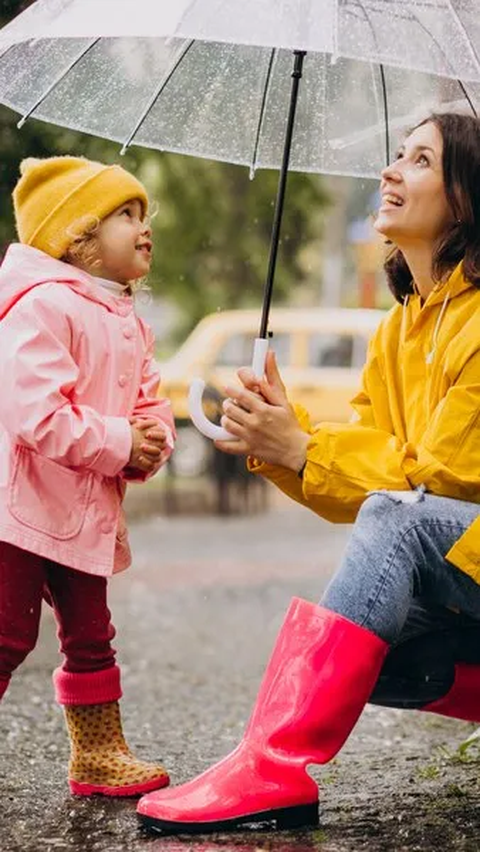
[320, 352]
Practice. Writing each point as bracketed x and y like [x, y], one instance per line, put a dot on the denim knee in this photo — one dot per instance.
[388, 510]
[418, 507]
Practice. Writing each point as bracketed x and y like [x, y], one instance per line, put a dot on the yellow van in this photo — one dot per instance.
[320, 352]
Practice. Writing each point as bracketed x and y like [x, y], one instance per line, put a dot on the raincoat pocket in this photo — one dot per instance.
[46, 496]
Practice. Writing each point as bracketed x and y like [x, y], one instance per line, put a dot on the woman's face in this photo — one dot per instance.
[414, 209]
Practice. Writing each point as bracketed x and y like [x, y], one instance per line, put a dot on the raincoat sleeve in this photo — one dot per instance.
[150, 404]
[38, 376]
[345, 461]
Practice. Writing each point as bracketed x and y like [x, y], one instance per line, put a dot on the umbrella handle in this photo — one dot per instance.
[197, 414]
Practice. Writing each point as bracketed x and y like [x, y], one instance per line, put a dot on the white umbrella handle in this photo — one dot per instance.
[195, 407]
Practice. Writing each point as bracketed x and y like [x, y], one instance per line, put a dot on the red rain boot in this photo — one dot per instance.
[462, 701]
[320, 675]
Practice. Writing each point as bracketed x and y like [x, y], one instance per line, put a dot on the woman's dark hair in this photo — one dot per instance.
[461, 176]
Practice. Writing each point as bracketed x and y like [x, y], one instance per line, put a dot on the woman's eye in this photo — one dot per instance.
[423, 160]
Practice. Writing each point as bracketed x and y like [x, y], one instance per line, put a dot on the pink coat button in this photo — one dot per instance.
[122, 381]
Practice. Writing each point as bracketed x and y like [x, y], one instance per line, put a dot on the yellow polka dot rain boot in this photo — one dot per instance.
[100, 760]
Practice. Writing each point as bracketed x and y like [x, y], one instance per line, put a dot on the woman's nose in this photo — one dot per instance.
[391, 172]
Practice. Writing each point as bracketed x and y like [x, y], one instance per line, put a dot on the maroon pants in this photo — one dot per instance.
[78, 601]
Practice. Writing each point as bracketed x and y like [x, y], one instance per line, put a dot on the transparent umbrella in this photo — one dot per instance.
[213, 78]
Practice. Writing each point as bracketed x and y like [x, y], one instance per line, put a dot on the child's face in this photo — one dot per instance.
[125, 245]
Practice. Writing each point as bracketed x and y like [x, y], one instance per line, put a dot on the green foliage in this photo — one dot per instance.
[212, 229]
[429, 773]
[471, 742]
[213, 232]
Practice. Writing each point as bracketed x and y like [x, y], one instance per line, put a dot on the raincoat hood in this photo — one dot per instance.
[25, 267]
[414, 312]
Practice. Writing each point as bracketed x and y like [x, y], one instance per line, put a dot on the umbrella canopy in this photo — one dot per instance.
[212, 79]
[437, 36]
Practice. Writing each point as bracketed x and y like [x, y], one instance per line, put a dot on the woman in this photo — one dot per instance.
[401, 617]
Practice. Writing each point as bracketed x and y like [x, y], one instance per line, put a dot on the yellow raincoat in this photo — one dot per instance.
[416, 419]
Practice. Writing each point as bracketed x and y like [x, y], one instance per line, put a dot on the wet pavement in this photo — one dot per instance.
[196, 619]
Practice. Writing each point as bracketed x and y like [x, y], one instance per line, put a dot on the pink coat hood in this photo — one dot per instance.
[75, 364]
[24, 267]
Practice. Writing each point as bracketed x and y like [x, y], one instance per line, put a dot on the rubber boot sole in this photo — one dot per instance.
[81, 789]
[299, 816]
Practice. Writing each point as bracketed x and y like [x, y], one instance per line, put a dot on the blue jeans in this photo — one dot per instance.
[395, 581]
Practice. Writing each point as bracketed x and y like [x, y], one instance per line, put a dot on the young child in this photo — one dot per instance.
[79, 416]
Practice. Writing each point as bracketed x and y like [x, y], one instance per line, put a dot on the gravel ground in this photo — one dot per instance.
[196, 619]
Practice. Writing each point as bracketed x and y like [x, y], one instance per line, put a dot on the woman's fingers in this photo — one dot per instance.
[235, 412]
[232, 448]
[270, 387]
[244, 399]
[249, 380]
[272, 372]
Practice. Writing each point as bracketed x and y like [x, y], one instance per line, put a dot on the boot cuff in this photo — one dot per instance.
[74, 688]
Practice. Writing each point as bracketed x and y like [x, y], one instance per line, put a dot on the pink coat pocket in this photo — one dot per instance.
[46, 496]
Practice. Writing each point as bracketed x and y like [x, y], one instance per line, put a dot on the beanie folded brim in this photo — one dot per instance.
[51, 220]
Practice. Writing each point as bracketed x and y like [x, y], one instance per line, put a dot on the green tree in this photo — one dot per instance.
[212, 229]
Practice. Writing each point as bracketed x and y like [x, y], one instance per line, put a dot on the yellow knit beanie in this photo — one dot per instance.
[56, 199]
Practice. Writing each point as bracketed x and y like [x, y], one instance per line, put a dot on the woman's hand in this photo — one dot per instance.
[262, 419]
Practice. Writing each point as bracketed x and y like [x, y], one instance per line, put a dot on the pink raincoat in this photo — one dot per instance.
[75, 363]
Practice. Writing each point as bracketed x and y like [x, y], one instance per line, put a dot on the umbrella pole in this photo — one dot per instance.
[211, 430]
[299, 56]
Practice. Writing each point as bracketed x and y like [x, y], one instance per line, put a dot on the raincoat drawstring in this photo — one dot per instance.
[438, 323]
[403, 327]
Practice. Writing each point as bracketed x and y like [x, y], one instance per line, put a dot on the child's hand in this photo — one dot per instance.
[149, 441]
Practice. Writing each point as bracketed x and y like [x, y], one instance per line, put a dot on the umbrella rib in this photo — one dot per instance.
[468, 98]
[7, 49]
[158, 91]
[413, 18]
[473, 52]
[385, 113]
[58, 80]
[383, 82]
[263, 106]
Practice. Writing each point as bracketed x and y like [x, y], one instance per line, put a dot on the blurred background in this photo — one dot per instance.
[211, 229]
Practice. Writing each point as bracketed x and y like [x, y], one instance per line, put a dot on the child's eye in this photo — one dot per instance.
[126, 212]
[423, 160]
